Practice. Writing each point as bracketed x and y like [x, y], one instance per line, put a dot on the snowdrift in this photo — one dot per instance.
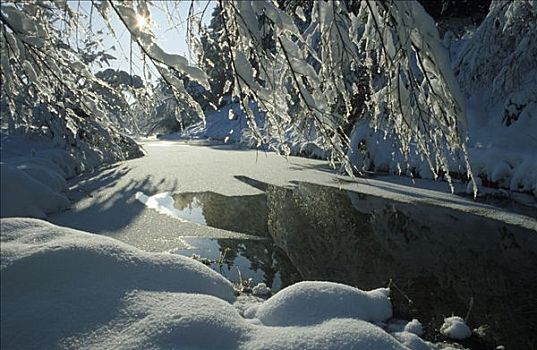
[31, 191]
[331, 300]
[62, 288]
[34, 170]
[33, 174]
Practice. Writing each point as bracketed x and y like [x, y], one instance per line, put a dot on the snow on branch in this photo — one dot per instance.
[388, 53]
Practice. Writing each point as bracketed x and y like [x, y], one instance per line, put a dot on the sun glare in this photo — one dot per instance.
[141, 21]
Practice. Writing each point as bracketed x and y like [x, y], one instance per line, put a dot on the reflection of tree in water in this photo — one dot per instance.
[307, 225]
[264, 256]
[440, 258]
[244, 214]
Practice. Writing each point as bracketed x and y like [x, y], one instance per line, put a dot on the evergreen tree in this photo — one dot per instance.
[215, 61]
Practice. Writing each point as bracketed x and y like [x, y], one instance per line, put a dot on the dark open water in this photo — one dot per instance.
[439, 261]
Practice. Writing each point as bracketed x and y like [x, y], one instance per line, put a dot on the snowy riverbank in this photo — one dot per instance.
[501, 157]
[35, 171]
[109, 293]
[63, 288]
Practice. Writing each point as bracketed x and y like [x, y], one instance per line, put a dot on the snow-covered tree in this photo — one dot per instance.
[120, 85]
[497, 73]
[167, 114]
[214, 59]
[346, 63]
[48, 81]
[411, 93]
[46, 85]
[502, 53]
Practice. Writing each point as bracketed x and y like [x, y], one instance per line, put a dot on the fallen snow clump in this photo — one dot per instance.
[415, 327]
[261, 290]
[454, 327]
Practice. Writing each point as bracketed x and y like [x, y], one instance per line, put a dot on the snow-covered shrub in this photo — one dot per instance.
[497, 72]
[499, 60]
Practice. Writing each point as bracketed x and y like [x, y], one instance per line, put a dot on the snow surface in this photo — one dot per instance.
[162, 202]
[66, 288]
[35, 168]
[25, 194]
[454, 327]
[33, 175]
[412, 341]
[331, 300]
[498, 154]
[63, 288]
[229, 124]
[105, 202]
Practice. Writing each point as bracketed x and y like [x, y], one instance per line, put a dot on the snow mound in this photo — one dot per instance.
[193, 321]
[415, 327]
[43, 170]
[33, 174]
[164, 320]
[332, 334]
[292, 306]
[454, 327]
[30, 191]
[35, 169]
[56, 282]
[63, 288]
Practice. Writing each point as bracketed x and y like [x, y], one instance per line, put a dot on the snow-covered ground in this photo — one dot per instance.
[34, 171]
[229, 124]
[499, 155]
[105, 202]
[63, 288]
[67, 288]
[118, 285]
[34, 177]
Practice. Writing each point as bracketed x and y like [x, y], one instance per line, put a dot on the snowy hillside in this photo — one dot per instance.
[229, 124]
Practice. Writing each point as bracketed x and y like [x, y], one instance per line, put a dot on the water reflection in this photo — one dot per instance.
[261, 260]
[245, 214]
[439, 258]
